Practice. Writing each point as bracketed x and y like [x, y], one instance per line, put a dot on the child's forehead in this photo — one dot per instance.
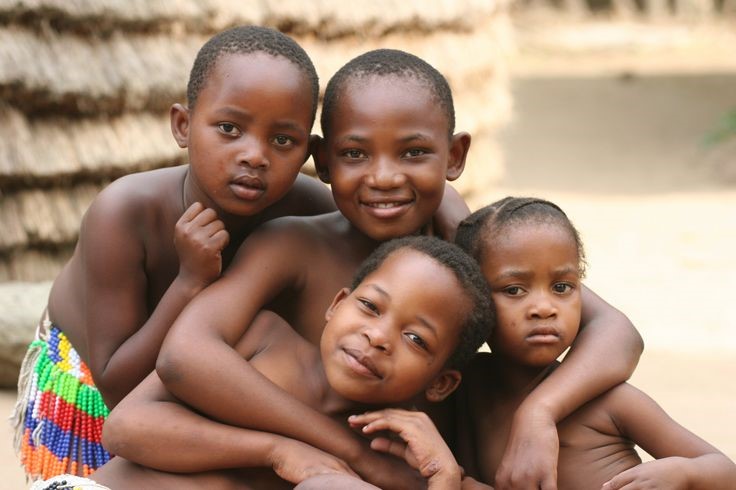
[389, 83]
[406, 267]
[257, 61]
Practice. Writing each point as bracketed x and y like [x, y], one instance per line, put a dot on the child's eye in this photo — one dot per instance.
[414, 152]
[354, 154]
[229, 129]
[562, 288]
[368, 305]
[513, 290]
[417, 340]
[283, 140]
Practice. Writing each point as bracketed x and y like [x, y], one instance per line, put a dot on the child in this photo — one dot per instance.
[533, 259]
[388, 121]
[151, 241]
[417, 311]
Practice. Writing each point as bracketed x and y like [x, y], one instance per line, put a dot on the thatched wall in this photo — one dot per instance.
[85, 87]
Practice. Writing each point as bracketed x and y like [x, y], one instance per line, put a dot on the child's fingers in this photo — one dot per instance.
[204, 217]
[619, 481]
[221, 239]
[402, 422]
[384, 445]
[365, 418]
[192, 211]
[211, 228]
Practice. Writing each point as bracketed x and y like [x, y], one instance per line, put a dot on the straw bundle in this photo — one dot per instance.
[326, 19]
[45, 151]
[44, 218]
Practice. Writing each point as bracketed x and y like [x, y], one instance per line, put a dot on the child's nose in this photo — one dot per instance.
[378, 337]
[386, 174]
[252, 154]
[542, 306]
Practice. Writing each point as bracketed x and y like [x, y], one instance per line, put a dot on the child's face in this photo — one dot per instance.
[248, 134]
[388, 154]
[535, 284]
[389, 339]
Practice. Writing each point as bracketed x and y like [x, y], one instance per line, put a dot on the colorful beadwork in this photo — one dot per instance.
[63, 420]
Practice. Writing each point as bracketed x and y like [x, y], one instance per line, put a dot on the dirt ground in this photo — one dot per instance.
[618, 146]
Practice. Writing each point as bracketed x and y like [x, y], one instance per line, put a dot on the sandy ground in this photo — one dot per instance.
[622, 155]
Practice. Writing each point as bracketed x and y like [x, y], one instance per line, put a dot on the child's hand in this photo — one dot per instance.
[530, 460]
[295, 461]
[199, 239]
[423, 447]
[386, 471]
[664, 473]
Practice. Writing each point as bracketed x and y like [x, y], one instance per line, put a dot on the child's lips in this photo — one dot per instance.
[387, 208]
[247, 187]
[543, 336]
[361, 363]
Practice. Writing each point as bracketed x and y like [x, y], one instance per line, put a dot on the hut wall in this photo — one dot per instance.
[85, 88]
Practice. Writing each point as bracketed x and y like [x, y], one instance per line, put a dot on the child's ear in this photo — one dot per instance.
[459, 146]
[179, 116]
[339, 297]
[443, 385]
[318, 150]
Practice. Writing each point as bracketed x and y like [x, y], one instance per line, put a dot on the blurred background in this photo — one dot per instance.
[621, 111]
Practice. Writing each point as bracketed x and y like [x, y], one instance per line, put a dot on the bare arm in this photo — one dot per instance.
[684, 460]
[214, 321]
[606, 334]
[451, 212]
[150, 427]
[123, 335]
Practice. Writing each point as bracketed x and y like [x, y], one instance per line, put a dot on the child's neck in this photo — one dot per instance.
[517, 378]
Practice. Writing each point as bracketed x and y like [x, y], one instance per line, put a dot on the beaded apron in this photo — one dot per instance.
[60, 412]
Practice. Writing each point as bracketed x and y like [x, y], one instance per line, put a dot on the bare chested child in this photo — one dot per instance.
[417, 311]
[533, 259]
[389, 147]
[151, 241]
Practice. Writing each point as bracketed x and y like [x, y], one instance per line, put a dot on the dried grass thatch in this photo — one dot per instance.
[85, 86]
[48, 151]
[44, 218]
[325, 19]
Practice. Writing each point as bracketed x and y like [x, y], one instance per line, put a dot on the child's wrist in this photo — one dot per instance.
[536, 409]
[447, 478]
[189, 285]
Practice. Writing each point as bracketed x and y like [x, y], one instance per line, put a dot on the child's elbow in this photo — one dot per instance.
[169, 368]
[116, 433]
[171, 365]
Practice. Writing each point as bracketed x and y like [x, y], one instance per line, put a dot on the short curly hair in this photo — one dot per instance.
[246, 40]
[385, 62]
[476, 232]
[479, 321]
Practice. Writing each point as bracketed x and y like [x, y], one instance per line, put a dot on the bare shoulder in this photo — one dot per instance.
[138, 195]
[303, 232]
[307, 197]
[623, 397]
[610, 413]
